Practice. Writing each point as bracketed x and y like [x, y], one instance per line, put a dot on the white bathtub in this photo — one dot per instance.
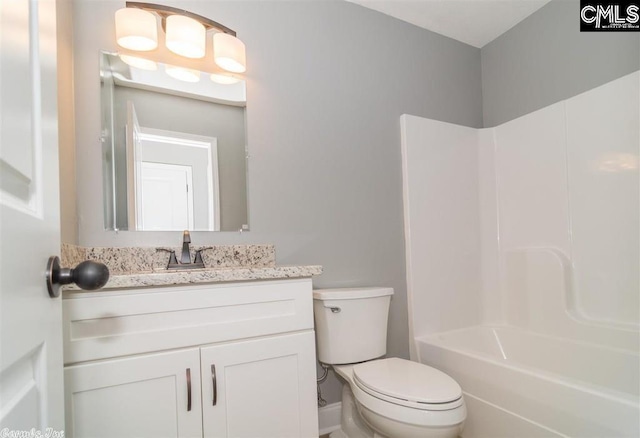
[523, 384]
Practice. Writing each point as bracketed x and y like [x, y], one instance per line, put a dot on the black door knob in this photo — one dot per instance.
[88, 275]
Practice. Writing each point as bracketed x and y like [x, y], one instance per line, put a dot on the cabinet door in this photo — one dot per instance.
[260, 388]
[137, 396]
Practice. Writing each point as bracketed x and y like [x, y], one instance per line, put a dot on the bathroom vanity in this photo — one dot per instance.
[212, 359]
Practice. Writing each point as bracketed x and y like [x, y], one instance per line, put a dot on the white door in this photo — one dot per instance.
[152, 395]
[260, 388]
[166, 198]
[31, 386]
[198, 152]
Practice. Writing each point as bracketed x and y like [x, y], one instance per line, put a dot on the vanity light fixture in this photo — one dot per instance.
[185, 36]
[136, 29]
[229, 53]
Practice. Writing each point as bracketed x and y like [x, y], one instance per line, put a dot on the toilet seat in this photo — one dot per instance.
[409, 384]
[404, 414]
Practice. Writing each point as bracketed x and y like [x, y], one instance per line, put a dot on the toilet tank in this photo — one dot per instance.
[351, 324]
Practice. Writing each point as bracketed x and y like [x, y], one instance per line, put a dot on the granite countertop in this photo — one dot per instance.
[207, 275]
[133, 267]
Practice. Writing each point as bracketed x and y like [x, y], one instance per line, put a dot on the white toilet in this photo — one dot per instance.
[391, 397]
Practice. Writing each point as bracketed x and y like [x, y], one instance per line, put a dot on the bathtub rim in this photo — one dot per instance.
[607, 393]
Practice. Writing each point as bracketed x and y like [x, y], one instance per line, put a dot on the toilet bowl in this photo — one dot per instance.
[388, 397]
[402, 399]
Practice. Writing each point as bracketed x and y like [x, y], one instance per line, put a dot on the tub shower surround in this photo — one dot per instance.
[539, 259]
[144, 267]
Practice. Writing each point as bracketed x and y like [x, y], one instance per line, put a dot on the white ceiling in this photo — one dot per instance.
[475, 22]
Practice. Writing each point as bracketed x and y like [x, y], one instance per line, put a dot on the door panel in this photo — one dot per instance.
[22, 384]
[264, 388]
[138, 396]
[31, 386]
[166, 198]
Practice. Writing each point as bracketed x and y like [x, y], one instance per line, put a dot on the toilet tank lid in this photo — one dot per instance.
[353, 293]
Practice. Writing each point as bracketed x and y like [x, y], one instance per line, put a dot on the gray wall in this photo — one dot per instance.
[175, 113]
[546, 59]
[327, 82]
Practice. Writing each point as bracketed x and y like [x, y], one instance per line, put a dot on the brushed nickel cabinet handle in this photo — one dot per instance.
[214, 381]
[188, 389]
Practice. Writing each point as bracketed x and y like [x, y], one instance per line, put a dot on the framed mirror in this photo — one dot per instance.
[174, 147]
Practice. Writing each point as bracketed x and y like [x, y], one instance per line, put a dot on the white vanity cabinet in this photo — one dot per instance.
[214, 360]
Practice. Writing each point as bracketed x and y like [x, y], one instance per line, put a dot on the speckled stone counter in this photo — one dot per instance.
[130, 260]
[196, 276]
[145, 267]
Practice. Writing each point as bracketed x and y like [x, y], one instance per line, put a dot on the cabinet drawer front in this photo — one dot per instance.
[99, 325]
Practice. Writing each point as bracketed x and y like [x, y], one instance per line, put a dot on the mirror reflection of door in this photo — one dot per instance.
[166, 197]
[159, 198]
